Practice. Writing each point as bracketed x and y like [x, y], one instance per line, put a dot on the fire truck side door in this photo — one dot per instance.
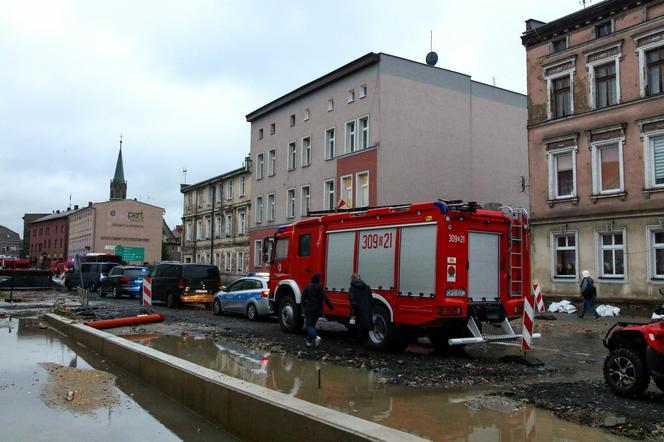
[483, 266]
[302, 268]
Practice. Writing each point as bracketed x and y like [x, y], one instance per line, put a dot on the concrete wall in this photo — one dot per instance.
[229, 403]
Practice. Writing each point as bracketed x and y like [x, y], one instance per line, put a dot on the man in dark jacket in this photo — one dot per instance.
[312, 299]
[361, 303]
[589, 294]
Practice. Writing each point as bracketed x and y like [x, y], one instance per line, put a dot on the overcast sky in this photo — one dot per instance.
[178, 77]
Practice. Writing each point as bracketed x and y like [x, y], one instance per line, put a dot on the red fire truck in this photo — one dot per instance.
[440, 268]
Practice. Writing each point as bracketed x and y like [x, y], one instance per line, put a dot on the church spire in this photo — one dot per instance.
[118, 183]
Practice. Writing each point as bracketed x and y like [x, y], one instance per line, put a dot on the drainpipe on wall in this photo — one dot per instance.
[214, 198]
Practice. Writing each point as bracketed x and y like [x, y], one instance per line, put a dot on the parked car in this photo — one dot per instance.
[248, 296]
[91, 274]
[176, 283]
[123, 280]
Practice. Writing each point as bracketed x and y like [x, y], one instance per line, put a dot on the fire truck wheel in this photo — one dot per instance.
[625, 372]
[385, 336]
[290, 315]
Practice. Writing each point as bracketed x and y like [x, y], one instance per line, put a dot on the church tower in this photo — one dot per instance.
[118, 183]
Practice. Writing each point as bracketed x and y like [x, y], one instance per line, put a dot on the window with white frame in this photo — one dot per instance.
[292, 156]
[258, 253]
[190, 198]
[605, 84]
[654, 59]
[351, 136]
[291, 203]
[240, 261]
[307, 114]
[228, 225]
[346, 191]
[259, 166]
[210, 197]
[218, 192]
[305, 202]
[362, 197]
[564, 255]
[329, 144]
[217, 226]
[329, 195]
[272, 162]
[243, 185]
[201, 197]
[364, 132]
[607, 167]
[653, 146]
[259, 209]
[271, 207]
[241, 222]
[208, 227]
[603, 29]
[199, 229]
[306, 151]
[656, 252]
[562, 173]
[227, 262]
[363, 91]
[558, 44]
[330, 104]
[561, 96]
[612, 254]
[350, 96]
[188, 233]
[229, 189]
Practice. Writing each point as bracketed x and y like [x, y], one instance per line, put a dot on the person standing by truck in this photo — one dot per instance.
[313, 298]
[361, 303]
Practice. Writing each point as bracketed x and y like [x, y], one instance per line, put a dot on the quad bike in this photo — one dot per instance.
[636, 353]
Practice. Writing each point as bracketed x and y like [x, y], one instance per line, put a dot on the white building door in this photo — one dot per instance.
[483, 266]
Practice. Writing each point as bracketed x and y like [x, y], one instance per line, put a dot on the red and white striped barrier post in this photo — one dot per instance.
[147, 292]
[539, 299]
[528, 322]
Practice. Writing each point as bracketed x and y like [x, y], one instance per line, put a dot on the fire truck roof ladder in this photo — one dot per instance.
[518, 219]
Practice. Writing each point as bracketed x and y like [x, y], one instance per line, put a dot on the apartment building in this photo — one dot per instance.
[596, 148]
[383, 130]
[49, 235]
[215, 222]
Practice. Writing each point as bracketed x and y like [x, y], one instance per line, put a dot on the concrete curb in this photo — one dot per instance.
[246, 410]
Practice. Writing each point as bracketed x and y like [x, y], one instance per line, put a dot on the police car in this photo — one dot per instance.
[248, 296]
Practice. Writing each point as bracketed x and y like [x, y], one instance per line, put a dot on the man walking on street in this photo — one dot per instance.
[312, 299]
[361, 303]
[589, 294]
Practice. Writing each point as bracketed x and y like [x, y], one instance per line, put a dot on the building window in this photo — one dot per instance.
[606, 87]
[259, 166]
[291, 120]
[229, 189]
[240, 261]
[364, 132]
[241, 223]
[347, 190]
[603, 29]
[350, 97]
[362, 197]
[307, 114]
[217, 227]
[259, 209]
[350, 136]
[273, 128]
[561, 95]
[258, 253]
[218, 192]
[228, 231]
[562, 174]
[306, 151]
[227, 262]
[612, 254]
[272, 162]
[260, 134]
[208, 227]
[329, 144]
[243, 185]
[271, 209]
[654, 160]
[328, 195]
[330, 104]
[363, 91]
[655, 70]
[564, 256]
[190, 199]
[305, 202]
[607, 168]
[291, 203]
[210, 197]
[199, 229]
[292, 156]
[558, 45]
[657, 253]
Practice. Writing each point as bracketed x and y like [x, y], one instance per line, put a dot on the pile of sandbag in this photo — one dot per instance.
[563, 306]
[608, 310]
[655, 316]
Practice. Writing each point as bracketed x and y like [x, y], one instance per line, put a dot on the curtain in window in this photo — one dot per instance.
[658, 159]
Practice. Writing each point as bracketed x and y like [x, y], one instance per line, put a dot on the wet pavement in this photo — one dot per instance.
[32, 407]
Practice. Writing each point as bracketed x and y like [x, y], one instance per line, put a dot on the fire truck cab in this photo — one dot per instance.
[438, 268]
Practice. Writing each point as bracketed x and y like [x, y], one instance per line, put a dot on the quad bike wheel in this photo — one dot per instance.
[625, 372]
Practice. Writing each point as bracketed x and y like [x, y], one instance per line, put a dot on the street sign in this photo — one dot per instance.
[130, 254]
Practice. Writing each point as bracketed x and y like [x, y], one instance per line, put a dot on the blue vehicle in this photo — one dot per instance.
[123, 280]
[247, 296]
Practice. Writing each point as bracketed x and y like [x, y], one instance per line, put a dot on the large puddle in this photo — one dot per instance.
[33, 406]
[437, 415]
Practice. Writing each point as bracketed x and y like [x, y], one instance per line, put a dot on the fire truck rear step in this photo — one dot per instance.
[479, 338]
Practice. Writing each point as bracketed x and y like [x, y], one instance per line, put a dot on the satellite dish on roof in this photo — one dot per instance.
[432, 58]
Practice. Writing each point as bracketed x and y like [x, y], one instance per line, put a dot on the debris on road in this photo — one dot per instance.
[563, 306]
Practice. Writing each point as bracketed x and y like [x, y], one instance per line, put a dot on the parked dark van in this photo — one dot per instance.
[176, 283]
[92, 274]
[123, 280]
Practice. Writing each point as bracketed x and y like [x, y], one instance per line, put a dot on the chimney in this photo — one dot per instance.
[89, 203]
[75, 206]
[57, 211]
